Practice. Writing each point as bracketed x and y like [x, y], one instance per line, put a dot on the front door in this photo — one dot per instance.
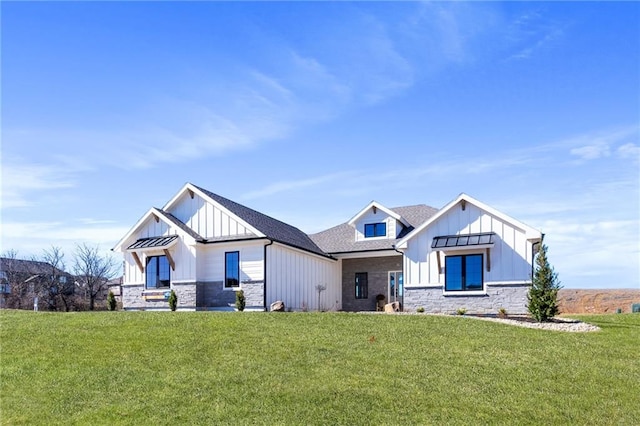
[395, 287]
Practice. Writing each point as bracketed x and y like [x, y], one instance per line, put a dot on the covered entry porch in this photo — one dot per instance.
[366, 279]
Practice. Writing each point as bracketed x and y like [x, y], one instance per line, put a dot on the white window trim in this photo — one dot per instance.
[465, 292]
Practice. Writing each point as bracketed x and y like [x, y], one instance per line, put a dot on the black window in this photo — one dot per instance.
[232, 269]
[158, 272]
[375, 230]
[463, 273]
[362, 285]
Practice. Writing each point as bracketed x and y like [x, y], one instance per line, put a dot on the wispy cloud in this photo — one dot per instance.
[33, 237]
[593, 248]
[592, 146]
[629, 150]
[294, 185]
[20, 179]
[531, 32]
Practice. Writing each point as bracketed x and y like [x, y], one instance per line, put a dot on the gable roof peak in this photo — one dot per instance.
[265, 225]
[530, 232]
[376, 205]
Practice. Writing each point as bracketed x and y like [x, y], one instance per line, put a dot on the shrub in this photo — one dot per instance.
[420, 309]
[240, 301]
[461, 311]
[502, 313]
[173, 300]
[111, 301]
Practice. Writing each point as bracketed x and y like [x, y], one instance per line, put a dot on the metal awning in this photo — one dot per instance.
[153, 242]
[469, 240]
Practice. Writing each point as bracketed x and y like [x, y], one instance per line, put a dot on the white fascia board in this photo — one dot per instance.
[135, 227]
[174, 200]
[152, 212]
[190, 187]
[366, 254]
[305, 252]
[531, 233]
[379, 206]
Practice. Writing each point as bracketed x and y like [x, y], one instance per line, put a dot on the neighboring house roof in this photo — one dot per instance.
[273, 229]
[341, 238]
[26, 266]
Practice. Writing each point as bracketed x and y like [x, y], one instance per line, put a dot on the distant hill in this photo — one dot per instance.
[597, 301]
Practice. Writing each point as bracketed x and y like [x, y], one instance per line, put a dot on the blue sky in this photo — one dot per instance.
[308, 111]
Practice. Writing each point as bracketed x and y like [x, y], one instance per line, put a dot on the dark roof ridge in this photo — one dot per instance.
[272, 228]
[230, 201]
[180, 224]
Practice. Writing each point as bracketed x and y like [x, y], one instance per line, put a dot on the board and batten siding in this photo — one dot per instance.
[510, 258]
[292, 276]
[206, 219]
[183, 255]
[378, 217]
[211, 259]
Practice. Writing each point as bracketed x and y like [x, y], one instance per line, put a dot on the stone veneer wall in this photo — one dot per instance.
[195, 295]
[253, 293]
[512, 297]
[211, 294]
[377, 269]
[132, 297]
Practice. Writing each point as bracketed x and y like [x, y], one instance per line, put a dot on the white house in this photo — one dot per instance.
[206, 247]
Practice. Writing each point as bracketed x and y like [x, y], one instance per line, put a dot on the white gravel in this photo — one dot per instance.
[558, 324]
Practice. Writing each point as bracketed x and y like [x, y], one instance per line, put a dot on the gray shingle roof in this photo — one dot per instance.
[25, 266]
[341, 238]
[272, 228]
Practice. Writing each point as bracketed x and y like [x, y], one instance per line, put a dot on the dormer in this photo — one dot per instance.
[376, 222]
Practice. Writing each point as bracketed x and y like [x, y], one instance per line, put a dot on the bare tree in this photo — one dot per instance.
[93, 270]
[20, 281]
[12, 286]
[55, 285]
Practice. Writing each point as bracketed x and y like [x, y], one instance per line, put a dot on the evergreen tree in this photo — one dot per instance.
[173, 300]
[111, 301]
[240, 301]
[543, 294]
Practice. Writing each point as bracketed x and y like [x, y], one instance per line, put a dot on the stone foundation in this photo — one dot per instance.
[192, 295]
[132, 297]
[511, 297]
[253, 294]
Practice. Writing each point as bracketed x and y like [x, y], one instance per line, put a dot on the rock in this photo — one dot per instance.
[392, 307]
[277, 306]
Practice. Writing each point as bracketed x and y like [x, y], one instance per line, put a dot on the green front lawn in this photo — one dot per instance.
[312, 368]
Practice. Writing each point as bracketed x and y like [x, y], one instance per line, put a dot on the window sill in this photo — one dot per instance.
[465, 293]
[231, 288]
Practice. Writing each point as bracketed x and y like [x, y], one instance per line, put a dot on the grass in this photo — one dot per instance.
[311, 368]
